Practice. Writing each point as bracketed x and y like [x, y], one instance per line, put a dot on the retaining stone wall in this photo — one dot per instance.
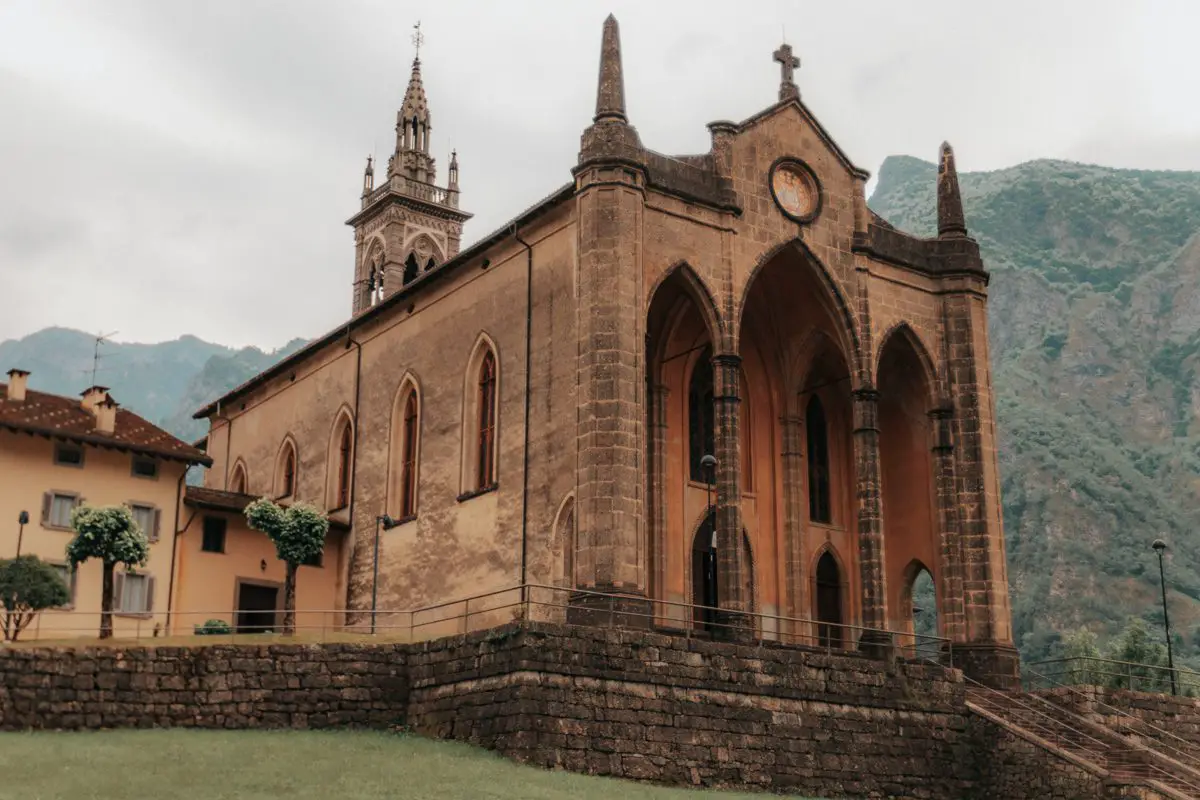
[218, 686]
[614, 702]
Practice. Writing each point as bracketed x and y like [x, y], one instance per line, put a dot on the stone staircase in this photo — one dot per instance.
[1154, 764]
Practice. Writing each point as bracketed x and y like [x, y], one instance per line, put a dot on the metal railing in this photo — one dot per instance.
[1111, 673]
[1176, 747]
[534, 602]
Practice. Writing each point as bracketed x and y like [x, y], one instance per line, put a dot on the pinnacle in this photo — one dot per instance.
[610, 93]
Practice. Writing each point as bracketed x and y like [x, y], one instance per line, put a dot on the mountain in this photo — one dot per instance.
[1094, 320]
[164, 382]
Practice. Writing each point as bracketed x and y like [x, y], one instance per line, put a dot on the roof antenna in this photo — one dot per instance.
[99, 340]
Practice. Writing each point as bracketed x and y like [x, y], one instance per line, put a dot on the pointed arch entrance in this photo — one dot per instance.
[828, 608]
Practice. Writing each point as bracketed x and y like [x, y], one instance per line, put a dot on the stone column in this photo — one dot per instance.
[988, 654]
[731, 571]
[656, 497]
[950, 589]
[797, 579]
[869, 495]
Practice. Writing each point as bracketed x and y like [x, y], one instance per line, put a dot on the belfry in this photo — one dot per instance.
[408, 225]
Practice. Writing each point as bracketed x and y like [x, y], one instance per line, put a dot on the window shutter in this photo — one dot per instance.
[157, 522]
[149, 594]
[47, 498]
[119, 590]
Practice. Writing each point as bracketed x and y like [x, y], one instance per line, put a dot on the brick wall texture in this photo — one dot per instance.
[610, 702]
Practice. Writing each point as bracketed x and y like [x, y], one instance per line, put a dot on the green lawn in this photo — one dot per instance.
[297, 765]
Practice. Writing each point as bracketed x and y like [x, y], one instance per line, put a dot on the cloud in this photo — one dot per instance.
[187, 168]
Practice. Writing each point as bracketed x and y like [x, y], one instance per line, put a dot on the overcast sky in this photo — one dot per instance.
[174, 167]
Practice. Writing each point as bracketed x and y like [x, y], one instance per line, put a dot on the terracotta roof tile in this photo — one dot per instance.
[65, 418]
[216, 499]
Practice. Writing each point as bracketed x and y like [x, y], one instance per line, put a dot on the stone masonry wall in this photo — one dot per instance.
[220, 686]
[667, 709]
[1178, 715]
[611, 702]
[1016, 769]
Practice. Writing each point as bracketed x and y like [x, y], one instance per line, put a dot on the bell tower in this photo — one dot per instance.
[408, 225]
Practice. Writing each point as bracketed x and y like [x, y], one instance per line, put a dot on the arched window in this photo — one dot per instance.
[828, 601]
[238, 482]
[411, 269]
[343, 474]
[486, 446]
[430, 264]
[923, 596]
[285, 478]
[701, 417]
[820, 506]
[408, 463]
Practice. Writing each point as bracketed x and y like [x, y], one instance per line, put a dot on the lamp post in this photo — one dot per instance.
[387, 523]
[709, 464]
[1159, 546]
[22, 521]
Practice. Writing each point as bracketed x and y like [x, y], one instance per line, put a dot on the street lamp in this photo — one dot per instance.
[387, 523]
[1159, 546]
[709, 464]
[22, 521]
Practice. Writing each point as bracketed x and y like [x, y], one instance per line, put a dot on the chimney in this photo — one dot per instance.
[93, 395]
[106, 416]
[18, 382]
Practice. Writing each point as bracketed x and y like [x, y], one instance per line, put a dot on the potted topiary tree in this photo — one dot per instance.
[298, 533]
[110, 534]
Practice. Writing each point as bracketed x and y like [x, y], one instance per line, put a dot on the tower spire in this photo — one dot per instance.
[414, 124]
[951, 220]
[610, 93]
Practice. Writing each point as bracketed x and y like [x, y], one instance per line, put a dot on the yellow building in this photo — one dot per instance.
[60, 452]
[205, 563]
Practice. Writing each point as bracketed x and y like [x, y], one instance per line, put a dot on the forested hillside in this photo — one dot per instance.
[1095, 329]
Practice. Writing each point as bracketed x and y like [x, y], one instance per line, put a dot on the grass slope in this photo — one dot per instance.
[297, 765]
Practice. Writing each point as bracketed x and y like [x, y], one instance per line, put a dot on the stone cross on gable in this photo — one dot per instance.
[787, 67]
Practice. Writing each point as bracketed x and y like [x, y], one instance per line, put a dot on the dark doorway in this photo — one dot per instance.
[704, 576]
[829, 602]
[256, 608]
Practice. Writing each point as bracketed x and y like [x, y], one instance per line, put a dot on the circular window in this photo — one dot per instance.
[795, 189]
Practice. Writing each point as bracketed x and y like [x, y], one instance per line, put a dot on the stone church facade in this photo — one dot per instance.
[537, 408]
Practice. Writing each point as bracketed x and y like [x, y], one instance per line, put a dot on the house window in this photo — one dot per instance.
[214, 535]
[144, 467]
[316, 561]
[820, 507]
[68, 455]
[408, 466]
[487, 422]
[147, 519]
[701, 418]
[134, 593]
[343, 475]
[67, 576]
[57, 508]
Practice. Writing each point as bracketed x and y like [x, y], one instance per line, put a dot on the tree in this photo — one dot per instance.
[1080, 648]
[298, 533]
[110, 534]
[28, 585]
[1145, 657]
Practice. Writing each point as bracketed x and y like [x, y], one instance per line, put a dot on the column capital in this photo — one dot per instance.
[727, 360]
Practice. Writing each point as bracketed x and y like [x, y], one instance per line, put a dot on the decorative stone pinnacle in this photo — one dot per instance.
[951, 220]
[787, 72]
[610, 93]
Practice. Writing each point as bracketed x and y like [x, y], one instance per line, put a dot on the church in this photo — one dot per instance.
[714, 391]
